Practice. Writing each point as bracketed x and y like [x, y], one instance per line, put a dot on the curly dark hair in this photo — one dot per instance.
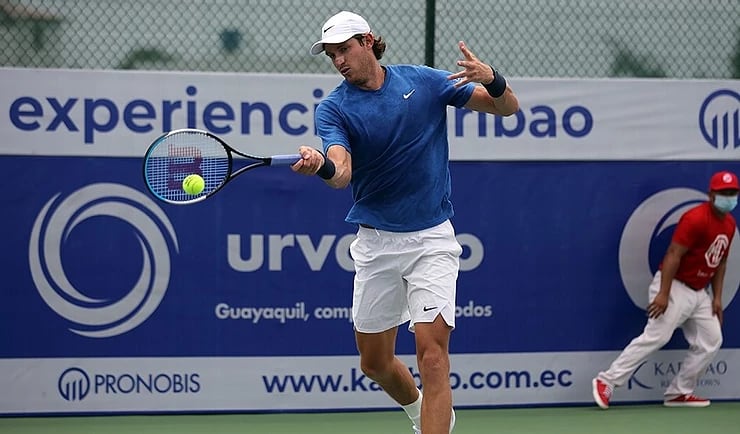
[378, 45]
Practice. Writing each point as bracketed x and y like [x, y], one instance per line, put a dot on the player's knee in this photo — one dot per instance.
[715, 342]
[433, 361]
[375, 368]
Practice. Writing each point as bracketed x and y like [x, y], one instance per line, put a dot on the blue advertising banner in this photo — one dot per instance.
[115, 302]
[94, 267]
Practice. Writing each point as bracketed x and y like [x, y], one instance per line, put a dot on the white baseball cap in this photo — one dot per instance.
[340, 28]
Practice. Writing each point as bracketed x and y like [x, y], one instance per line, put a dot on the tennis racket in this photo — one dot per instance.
[179, 153]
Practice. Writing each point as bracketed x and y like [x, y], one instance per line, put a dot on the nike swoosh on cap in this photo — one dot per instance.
[327, 29]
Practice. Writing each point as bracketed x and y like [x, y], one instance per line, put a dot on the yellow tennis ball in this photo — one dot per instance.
[193, 184]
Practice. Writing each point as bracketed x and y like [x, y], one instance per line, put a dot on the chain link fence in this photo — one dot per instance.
[525, 38]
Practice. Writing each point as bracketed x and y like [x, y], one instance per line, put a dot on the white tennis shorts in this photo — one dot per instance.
[402, 276]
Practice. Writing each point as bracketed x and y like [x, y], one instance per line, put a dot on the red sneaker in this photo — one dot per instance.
[687, 401]
[602, 392]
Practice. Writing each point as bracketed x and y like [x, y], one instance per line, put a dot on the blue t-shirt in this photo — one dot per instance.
[397, 136]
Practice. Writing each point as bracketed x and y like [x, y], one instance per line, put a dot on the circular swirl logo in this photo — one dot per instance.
[658, 213]
[101, 318]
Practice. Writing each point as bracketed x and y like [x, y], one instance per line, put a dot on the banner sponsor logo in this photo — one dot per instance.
[75, 384]
[101, 317]
[265, 251]
[542, 121]
[658, 374]
[94, 116]
[719, 119]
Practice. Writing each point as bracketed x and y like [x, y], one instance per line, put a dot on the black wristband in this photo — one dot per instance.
[327, 170]
[497, 87]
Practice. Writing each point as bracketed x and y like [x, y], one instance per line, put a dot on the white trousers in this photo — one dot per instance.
[692, 311]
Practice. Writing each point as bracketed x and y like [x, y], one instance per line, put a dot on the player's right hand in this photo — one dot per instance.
[311, 160]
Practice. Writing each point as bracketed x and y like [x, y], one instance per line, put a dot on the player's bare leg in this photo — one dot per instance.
[379, 363]
[432, 353]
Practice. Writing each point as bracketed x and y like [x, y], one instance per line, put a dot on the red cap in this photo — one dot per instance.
[723, 181]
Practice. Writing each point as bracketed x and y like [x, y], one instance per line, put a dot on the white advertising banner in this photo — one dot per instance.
[118, 113]
[184, 384]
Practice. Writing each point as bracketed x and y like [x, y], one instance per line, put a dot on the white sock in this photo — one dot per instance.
[413, 411]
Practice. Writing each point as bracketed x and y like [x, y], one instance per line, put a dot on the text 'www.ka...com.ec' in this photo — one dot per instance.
[356, 381]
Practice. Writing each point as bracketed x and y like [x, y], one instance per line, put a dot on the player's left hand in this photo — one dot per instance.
[658, 306]
[475, 71]
[310, 162]
[717, 310]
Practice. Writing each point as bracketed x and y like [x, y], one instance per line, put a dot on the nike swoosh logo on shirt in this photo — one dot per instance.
[428, 308]
[407, 95]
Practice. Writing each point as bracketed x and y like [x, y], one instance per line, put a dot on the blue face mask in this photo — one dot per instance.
[725, 203]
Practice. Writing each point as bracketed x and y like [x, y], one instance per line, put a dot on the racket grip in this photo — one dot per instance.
[284, 160]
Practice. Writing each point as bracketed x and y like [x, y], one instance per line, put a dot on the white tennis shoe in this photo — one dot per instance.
[452, 424]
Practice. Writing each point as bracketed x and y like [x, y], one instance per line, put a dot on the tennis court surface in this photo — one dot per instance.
[719, 418]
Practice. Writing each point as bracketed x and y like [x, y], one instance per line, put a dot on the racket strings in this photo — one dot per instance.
[184, 153]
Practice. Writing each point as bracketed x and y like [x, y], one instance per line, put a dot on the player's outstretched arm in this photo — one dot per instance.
[495, 96]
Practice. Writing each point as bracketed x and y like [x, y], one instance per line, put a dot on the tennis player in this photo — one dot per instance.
[384, 132]
[696, 258]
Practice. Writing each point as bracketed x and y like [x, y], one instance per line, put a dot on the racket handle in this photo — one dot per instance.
[284, 160]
